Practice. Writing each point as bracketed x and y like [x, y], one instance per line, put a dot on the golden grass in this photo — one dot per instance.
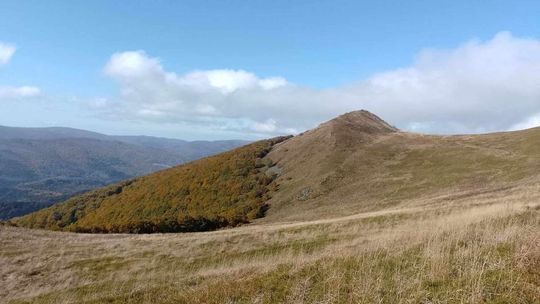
[343, 172]
[474, 248]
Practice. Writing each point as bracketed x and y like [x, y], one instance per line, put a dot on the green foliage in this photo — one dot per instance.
[228, 189]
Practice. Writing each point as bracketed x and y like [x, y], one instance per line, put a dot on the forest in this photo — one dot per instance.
[225, 190]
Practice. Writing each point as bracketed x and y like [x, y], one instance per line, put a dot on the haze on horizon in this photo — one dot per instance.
[215, 70]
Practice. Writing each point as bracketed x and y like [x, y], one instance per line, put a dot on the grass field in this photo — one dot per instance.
[469, 248]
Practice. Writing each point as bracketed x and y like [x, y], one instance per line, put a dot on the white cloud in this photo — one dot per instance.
[479, 86]
[136, 66]
[6, 52]
[228, 81]
[132, 65]
[148, 92]
[19, 92]
[272, 83]
[268, 126]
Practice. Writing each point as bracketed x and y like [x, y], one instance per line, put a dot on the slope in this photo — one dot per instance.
[42, 166]
[353, 163]
[357, 162]
[37, 173]
[223, 190]
[476, 249]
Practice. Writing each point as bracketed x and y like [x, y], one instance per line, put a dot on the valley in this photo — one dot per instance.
[43, 166]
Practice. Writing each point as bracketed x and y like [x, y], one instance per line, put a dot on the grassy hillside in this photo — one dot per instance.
[353, 163]
[224, 190]
[477, 249]
[342, 167]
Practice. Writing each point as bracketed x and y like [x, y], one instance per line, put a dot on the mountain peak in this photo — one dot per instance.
[362, 121]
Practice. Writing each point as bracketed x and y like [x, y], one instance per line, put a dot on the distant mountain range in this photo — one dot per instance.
[41, 166]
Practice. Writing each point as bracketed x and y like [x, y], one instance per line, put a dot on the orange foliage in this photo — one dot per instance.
[223, 190]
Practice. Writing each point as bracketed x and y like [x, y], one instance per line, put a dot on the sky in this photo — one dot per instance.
[256, 69]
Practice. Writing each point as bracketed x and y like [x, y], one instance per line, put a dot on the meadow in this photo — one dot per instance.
[470, 248]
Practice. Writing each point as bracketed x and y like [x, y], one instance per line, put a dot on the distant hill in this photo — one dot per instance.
[47, 133]
[353, 163]
[41, 166]
[189, 150]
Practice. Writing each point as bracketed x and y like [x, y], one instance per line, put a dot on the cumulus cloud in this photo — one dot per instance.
[133, 65]
[479, 86]
[6, 52]
[148, 92]
[136, 66]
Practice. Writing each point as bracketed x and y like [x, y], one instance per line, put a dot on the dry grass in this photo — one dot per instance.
[336, 170]
[474, 248]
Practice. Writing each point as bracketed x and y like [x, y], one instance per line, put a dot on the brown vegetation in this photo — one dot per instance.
[223, 190]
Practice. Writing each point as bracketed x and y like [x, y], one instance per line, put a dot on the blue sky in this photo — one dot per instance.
[320, 49]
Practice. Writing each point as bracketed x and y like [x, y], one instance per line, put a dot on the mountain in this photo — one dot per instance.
[190, 150]
[357, 163]
[47, 133]
[353, 163]
[41, 166]
[353, 211]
